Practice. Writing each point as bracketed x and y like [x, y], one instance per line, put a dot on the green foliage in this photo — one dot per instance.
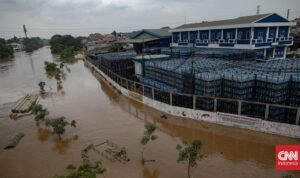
[148, 136]
[42, 86]
[86, 169]
[53, 70]
[39, 112]
[13, 40]
[5, 49]
[67, 52]
[115, 48]
[190, 153]
[65, 45]
[58, 125]
[31, 44]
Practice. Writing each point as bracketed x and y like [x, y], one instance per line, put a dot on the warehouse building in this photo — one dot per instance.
[267, 34]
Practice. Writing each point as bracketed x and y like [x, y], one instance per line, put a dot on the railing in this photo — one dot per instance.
[260, 110]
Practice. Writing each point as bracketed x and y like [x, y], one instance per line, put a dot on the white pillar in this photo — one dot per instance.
[267, 34]
[252, 35]
[273, 52]
[277, 33]
[209, 35]
[284, 55]
[289, 30]
[180, 36]
[222, 34]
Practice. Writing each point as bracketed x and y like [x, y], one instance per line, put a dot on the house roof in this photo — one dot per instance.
[236, 21]
[159, 33]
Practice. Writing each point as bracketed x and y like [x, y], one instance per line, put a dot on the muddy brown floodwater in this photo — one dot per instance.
[101, 114]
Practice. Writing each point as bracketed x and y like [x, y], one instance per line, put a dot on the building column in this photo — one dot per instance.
[251, 35]
[289, 30]
[267, 34]
[180, 36]
[273, 52]
[188, 36]
[209, 35]
[265, 53]
[277, 33]
[284, 54]
[198, 35]
[222, 34]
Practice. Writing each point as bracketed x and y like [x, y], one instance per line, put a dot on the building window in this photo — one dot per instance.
[204, 36]
[212, 36]
[282, 33]
[260, 35]
[229, 35]
[218, 35]
[248, 35]
[240, 35]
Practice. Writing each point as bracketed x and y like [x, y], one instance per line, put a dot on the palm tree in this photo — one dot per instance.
[148, 136]
[190, 153]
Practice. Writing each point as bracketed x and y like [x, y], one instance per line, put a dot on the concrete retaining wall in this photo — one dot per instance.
[213, 117]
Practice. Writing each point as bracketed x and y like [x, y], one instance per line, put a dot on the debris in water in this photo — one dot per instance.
[110, 151]
[164, 116]
[14, 141]
[24, 104]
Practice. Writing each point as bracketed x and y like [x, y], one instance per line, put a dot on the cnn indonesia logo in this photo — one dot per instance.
[287, 157]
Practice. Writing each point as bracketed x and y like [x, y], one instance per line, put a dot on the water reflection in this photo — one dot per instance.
[61, 145]
[147, 173]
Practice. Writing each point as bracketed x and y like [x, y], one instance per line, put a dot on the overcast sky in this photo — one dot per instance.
[45, 18]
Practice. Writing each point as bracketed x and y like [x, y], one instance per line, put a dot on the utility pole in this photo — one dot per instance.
[288, 14]
[258, 10]
[25, 30]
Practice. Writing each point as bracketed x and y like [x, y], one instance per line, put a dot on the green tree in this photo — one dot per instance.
[190, 153]
[31, 44]
[147, 137]
[58, 125]
[5, 49]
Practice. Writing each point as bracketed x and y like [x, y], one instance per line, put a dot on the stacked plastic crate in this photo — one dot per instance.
[119, 63]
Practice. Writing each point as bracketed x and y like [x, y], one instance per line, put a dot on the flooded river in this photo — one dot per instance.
[101, 114]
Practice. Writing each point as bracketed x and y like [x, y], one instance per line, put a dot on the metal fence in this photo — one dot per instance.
[265, 111]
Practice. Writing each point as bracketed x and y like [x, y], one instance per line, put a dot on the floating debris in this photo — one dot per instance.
[14, 141]
[24, 104]
[110, 151]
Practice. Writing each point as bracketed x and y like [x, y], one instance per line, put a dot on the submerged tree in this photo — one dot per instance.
[86, 169]
[58, 125]
[190, 153]
[39, 112]
[42, 87]
[148, 136]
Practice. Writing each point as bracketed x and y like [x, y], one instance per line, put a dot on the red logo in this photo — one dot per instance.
[287, 157]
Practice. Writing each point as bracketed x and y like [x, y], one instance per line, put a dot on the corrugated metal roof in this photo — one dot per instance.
[236, 21]
[159, 33]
